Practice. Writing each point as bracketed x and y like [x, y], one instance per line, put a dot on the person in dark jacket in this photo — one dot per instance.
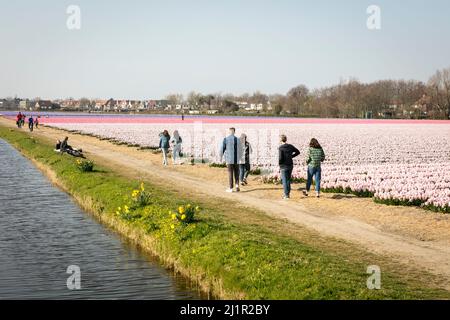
[164, 144]
[30, 123]
[286, 153]
[244, 162]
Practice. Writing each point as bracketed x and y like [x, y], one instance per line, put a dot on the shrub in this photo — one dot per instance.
[185, 214]
[85, 165]
[140, 197]
[255, 172]
[217, 165]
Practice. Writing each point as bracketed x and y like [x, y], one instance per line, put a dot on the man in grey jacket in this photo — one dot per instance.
[231, 149]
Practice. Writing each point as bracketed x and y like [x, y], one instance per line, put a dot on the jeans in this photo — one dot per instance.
[176, 152]
[244, 170]
[286, 174]
[165, 151]
[317, 173]
[233, 174]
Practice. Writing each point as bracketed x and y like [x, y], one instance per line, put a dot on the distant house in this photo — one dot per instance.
[70, 104]
[26, 105]
[99, 105]
[212, 111]
[46, 105]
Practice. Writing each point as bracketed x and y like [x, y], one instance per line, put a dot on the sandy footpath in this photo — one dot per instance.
[410, 235]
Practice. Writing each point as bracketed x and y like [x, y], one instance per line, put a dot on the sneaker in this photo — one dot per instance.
[305, 193]
[243, 183]
[317, 194]
[229, 190]
[286, 197]
[237, 189]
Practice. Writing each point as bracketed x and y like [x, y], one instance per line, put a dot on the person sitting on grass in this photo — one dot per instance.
[65, 147]
[314, 159]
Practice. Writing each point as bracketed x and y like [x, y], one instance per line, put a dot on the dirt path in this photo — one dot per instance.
[410, 235]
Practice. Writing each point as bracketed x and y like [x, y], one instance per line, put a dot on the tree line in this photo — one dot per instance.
[348, 99]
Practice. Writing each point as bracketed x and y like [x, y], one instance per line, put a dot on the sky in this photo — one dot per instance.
[148, 49]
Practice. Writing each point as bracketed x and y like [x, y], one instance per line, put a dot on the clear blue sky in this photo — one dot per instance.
[147, 49]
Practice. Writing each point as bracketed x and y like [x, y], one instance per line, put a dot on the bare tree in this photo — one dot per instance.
[439, 91]
[297, 97]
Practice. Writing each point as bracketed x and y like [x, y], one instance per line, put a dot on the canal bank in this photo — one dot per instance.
[43, 233]
[229, 259]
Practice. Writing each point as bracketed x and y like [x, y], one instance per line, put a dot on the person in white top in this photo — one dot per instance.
[175, 144]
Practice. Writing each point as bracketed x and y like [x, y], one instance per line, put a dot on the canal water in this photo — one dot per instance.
[43, 232]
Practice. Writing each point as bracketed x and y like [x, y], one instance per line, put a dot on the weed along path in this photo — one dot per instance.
[410, 236]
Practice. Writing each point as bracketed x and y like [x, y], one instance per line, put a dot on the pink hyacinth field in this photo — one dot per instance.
[399, 162]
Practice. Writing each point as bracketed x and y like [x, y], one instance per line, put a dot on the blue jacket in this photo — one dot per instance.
[231, 150]
[164, 142]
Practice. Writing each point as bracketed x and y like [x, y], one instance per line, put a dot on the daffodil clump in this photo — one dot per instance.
[85, 165]
[185, 214]
[140, 197]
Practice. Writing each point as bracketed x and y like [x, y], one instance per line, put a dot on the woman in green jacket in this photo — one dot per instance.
[314, 159]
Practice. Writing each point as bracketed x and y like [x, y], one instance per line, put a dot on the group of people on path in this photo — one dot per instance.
[235, 152]
[166, 142]
[32, 122]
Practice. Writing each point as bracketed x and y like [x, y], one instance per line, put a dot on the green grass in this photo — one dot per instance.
[249, 261]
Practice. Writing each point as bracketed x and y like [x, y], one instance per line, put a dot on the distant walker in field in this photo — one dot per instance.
[315, 157]
[286, 152]
[231, 150]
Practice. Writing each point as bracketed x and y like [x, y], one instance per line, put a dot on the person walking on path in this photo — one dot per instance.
[315, 157]
[19, 120]
[30, 123]
[175, 143]
[286, 153]
[244, 162]
[164, 145]
[36, 122]
[232, 149]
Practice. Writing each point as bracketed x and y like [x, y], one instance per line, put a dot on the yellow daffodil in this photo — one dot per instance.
[172, 226]
[181, 210]
[197, 208]
[183, 217]
[188, 206]
[174, 216]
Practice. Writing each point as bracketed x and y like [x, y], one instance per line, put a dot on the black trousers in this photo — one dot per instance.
[233, 174]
